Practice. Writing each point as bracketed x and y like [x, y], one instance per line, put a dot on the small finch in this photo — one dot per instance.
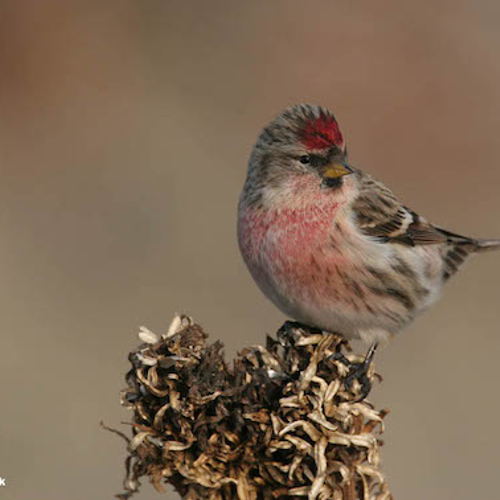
[329, 245]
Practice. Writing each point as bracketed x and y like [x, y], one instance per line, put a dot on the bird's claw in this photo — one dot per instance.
[359, 372]
[290, 325]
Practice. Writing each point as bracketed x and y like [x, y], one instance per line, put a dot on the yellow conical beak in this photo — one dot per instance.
[336, 169]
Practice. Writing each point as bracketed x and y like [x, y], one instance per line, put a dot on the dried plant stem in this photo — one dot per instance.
[278, 423]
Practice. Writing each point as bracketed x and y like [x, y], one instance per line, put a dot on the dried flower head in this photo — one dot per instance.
[278, 423]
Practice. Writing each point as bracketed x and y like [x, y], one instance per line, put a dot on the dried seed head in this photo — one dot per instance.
[277, 423]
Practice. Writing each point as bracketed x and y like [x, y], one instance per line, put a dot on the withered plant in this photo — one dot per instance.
[280, 422]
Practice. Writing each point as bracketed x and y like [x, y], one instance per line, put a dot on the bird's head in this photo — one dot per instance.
[304, 141]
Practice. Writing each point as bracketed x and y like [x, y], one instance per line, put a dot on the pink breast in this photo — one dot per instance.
[291, 248]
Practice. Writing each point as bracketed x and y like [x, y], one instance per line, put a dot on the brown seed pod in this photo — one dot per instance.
[278, 423]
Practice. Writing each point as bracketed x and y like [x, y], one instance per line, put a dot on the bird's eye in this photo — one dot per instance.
[305, 159]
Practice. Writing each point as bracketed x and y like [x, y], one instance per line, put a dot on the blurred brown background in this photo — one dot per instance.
[125, 129]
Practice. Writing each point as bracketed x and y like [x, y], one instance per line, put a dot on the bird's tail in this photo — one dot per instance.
[486, 245]
[470, 245]
[459, 249]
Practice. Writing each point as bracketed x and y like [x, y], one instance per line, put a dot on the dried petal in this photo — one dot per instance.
[147, 335]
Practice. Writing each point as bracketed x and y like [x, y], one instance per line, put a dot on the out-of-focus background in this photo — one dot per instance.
[125, 129]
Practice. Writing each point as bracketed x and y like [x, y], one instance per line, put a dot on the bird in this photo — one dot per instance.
[332, 247]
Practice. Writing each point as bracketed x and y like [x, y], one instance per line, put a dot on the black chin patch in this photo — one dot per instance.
[332, 183]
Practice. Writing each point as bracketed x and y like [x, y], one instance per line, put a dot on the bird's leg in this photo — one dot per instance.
[358, 371]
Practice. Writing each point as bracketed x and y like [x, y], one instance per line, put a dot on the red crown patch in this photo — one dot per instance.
[322, 133]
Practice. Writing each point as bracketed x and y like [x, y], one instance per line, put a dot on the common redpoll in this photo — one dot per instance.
[329, 245]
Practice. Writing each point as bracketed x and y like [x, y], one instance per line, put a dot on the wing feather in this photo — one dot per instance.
[380, 214]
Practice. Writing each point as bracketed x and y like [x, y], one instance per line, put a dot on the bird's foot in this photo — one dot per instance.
[289, 325]
[359, 372]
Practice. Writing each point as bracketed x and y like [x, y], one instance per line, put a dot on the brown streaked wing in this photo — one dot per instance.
[380, 214]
